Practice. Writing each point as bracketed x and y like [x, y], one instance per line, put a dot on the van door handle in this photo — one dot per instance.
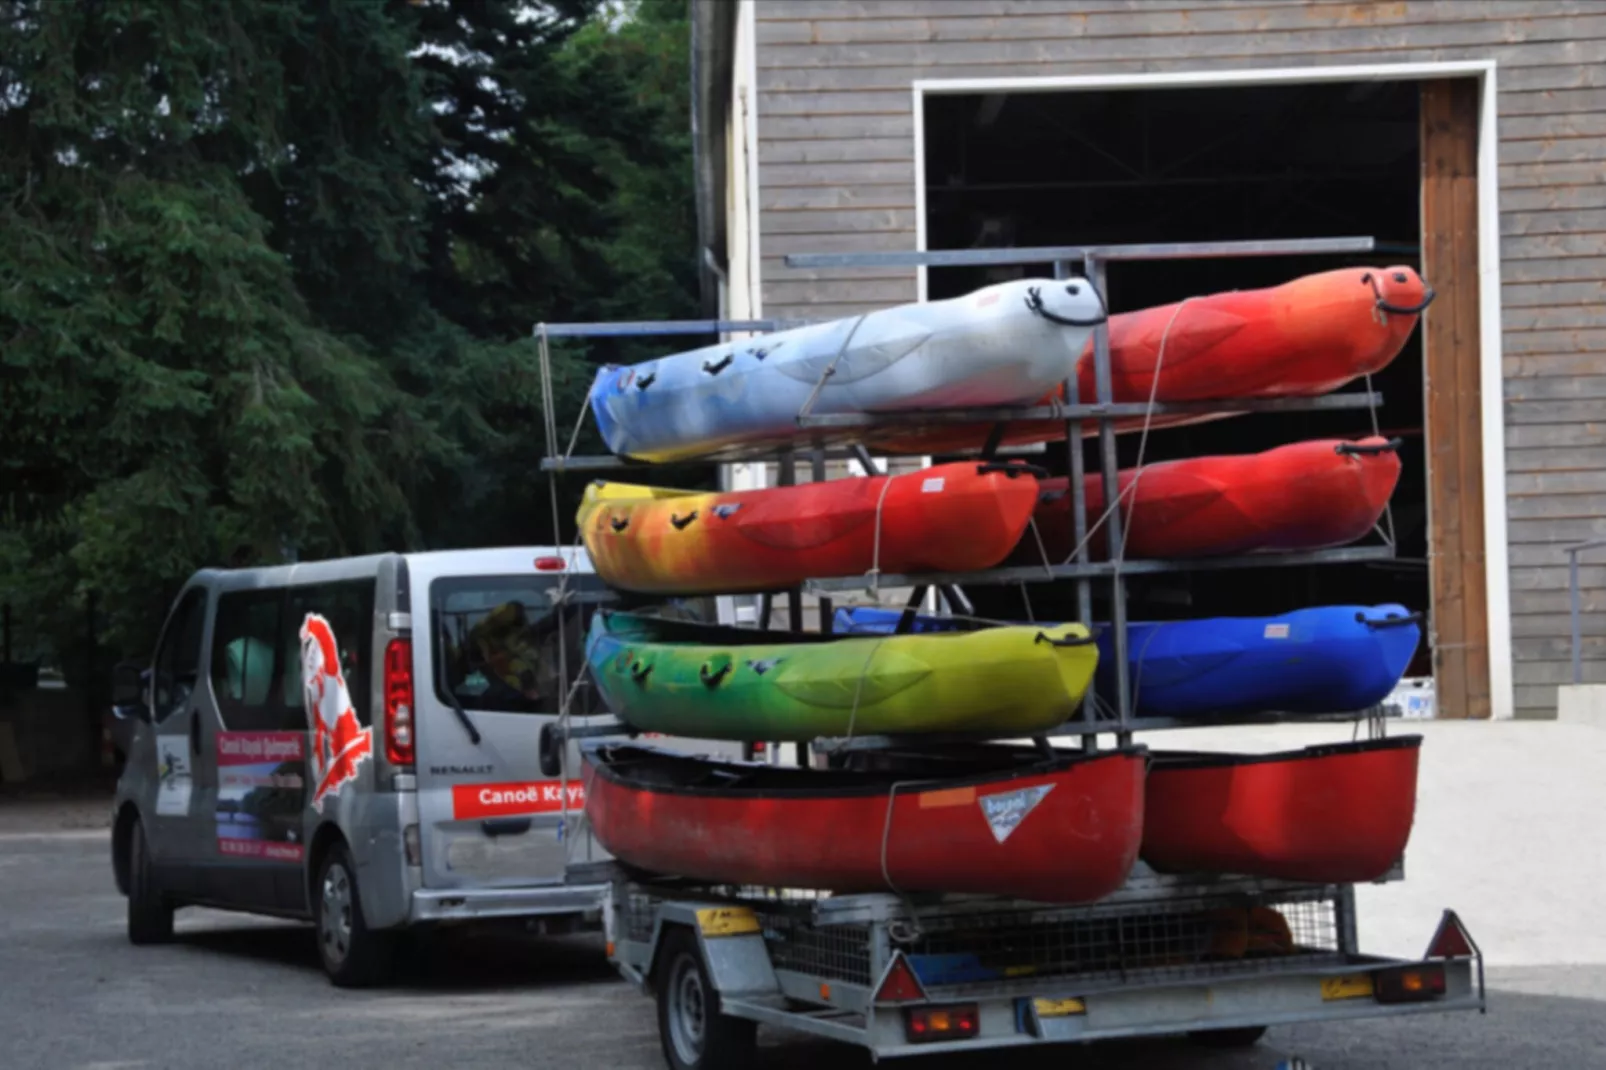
[505, 826]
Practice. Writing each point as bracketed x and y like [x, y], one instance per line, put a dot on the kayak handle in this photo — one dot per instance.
[1069, 640]
[712, 679]
[1391, 622]
[639, 671]
[719, 365]
[618, 523]
[1034, 301]
[679, 522]
[1012, 469]
[1354, 447]
[1408, 310]
[1404, 310]
[646, 380]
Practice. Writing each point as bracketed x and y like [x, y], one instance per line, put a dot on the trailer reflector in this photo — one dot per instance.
[925, 1024]
[899, 984]
[1451, 940]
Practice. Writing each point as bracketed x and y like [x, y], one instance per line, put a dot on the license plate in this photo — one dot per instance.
[1058, 1008]
[1355, 986]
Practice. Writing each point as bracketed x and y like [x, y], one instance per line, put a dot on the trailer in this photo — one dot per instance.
[1218, 958]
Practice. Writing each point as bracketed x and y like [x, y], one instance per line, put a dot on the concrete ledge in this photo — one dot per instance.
[1582, 704]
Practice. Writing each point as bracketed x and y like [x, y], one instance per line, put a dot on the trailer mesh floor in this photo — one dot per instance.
[1156, 939]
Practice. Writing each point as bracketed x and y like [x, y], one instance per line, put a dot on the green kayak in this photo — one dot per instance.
[715, 682]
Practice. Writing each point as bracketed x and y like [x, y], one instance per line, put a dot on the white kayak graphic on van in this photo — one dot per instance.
[339, 742]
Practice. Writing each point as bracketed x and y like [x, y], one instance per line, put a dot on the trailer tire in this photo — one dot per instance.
[692, 1031]
[1244, 1036]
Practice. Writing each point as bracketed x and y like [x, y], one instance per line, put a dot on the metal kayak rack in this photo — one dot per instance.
[903, 975]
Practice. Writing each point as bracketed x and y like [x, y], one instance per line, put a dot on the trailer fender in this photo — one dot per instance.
[732, 942]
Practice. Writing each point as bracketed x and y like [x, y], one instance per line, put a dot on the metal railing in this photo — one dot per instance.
[1572, 553]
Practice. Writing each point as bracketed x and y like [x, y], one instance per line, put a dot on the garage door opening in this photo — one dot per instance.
[1207, 164]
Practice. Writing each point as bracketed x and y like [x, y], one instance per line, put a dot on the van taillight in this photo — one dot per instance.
[399, 702]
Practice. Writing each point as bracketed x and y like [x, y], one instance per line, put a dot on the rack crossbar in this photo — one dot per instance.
[1087, 410]
[1105, 569]
[1049, 253]
[645, 328]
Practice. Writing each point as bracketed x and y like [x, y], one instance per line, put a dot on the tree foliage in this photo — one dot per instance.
[268, 273]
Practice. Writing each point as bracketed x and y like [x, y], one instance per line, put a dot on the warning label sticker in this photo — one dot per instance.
[1006, 810]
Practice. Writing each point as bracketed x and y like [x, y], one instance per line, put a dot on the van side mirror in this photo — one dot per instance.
[128, 685]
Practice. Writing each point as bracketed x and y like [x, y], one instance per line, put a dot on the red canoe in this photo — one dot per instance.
[1304, 338]
[1304, 496]
[1061, 830]
[948, 518]
[1339, 813]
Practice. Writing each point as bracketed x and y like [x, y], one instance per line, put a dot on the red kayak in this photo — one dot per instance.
[1304, 338]
[1060, 830]
[1304, 496]
[948, 518]
[1340, 813]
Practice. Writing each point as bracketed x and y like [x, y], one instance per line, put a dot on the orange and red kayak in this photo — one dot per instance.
[957, 517]
[1304, 338]
[1305, 496]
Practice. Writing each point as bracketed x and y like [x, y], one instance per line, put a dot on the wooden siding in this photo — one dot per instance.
[836, 172]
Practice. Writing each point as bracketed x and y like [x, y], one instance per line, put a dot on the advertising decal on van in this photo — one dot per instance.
[471, 801]
[339, 742]
[261, 786]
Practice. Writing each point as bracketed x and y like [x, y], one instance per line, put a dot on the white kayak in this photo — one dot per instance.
[1008, 344]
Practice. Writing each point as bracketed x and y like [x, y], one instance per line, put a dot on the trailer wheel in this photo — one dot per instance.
[692, 1031]
[1246, 1036]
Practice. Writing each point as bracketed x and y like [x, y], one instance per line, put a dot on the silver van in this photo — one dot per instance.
[359, 743]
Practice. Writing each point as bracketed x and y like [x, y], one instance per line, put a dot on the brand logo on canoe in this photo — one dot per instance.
[932, 486]
[763, 665]
[726, 509]
[1005, 811]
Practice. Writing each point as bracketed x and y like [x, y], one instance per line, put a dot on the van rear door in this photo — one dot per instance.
[493, 656]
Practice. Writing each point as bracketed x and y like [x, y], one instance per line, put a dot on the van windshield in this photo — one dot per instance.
[497, 642]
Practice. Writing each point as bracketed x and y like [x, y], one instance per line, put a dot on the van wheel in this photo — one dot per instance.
[353, 955]
[150, 915]
[692, 1031]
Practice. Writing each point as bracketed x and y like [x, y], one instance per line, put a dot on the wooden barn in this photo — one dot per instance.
[1468, 137]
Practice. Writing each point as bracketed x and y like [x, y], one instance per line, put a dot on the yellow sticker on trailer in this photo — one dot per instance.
[727, 921]
[1354, 986]
[1058, 1008]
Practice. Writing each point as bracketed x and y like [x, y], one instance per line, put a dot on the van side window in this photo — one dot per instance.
[348, 606]
[245, 639]
[178, 655]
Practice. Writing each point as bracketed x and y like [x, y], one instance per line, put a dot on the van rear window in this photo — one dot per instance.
[497, 642]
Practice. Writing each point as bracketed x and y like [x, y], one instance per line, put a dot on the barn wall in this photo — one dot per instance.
[836, 172]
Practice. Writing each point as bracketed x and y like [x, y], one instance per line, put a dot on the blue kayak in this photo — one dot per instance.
[1330, 659]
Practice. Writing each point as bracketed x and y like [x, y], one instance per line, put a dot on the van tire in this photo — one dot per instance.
[150, 914]
[353, 955]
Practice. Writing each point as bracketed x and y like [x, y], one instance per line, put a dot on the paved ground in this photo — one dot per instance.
[247, 994]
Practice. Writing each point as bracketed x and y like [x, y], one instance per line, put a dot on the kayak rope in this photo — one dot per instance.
[911, 932]
[858, 687]
[874, 575]
[1148, 419]
[830, 369]
[1388, 506]
[1143, 439]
